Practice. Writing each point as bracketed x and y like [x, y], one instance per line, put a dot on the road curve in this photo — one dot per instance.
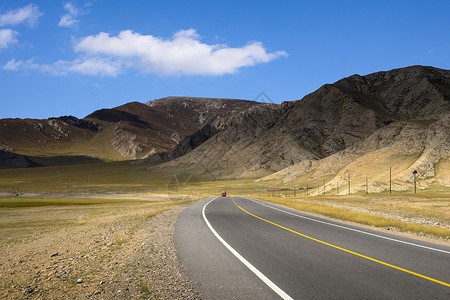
[301, 256]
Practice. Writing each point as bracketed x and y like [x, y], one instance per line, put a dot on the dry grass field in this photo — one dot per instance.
[65, 248]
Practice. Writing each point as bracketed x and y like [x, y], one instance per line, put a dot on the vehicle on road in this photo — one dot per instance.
[224, 193]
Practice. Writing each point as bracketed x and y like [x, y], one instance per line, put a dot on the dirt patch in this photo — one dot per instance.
[101, 252]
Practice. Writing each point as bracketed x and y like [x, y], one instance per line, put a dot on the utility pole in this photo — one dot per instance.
[324, 187]
[349, 183]
[367, 187]
[415, 187]
[390, 180]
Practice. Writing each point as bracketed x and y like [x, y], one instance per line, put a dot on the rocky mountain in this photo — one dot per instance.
[359, 125]
[211, 115]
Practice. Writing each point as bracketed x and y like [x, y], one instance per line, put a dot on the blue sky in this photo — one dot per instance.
[74, 57]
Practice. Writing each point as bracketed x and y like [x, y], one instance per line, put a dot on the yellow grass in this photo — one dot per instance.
[360, 217]
[22, 218]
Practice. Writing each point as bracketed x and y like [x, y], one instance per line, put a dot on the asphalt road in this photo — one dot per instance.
[240, 248]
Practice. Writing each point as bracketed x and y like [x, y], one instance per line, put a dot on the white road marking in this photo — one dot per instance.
[260, 275]
[348, 228]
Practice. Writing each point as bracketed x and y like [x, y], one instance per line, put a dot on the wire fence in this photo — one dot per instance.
[17, 193]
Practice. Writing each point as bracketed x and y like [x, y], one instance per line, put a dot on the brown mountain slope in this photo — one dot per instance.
[139, 130]
[402, 114]
[133, 130]
[51, 136]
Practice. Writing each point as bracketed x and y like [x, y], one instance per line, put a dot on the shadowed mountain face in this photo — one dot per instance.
[12, 160]
[404, 110]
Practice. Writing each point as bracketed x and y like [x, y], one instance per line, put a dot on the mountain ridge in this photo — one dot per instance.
[130, 131]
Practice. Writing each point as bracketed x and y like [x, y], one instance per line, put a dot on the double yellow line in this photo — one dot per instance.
[345, 250]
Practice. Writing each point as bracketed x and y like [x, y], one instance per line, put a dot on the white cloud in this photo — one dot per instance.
[13, 65]
[28, 14]
[7, 38]
[70, 18]
[182, 54]
[95, 66]
[90, 66]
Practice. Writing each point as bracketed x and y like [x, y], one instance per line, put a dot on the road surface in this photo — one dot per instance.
[241, 248]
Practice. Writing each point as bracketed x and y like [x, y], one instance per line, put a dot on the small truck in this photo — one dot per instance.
[224, 193]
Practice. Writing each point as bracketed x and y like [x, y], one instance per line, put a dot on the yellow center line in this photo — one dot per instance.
[343, 249]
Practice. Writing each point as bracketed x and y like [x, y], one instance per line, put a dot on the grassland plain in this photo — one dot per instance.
[63, 248]
[105, 178]
[122, 247]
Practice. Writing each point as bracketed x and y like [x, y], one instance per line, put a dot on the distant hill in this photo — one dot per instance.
[131, 131]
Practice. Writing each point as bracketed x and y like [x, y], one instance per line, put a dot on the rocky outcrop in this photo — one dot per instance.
[126, 143]
[80, 123]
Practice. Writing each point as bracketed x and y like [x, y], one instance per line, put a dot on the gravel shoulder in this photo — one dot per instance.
[122, 253]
